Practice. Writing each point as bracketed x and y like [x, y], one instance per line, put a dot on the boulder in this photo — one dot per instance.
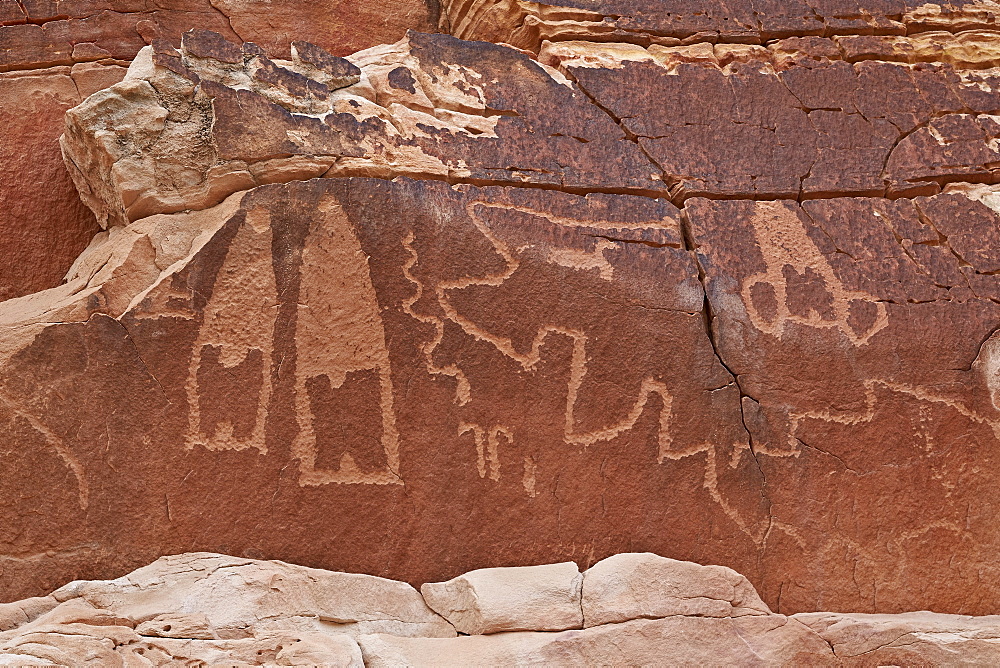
[520, 598]
[635, 586]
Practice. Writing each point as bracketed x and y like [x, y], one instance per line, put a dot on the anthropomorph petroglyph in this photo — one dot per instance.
[343, 391]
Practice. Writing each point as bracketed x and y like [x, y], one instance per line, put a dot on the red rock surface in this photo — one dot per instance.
[43, 223]
[441, 306]
[40, 39]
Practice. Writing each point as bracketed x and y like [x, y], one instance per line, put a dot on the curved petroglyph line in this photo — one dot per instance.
[784, 241]
[57, 444]
[487, 440]
[462, 391]
[529, 360]
[850, 418]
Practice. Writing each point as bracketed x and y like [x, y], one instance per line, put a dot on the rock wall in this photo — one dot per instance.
[629, 609]
[55, 53]
[712, 283]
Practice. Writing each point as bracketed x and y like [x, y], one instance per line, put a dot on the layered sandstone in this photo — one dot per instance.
[526, 25]
[218, 610]
[467, 306]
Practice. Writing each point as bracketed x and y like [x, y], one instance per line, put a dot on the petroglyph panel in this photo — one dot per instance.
[861, 332]
[345, 362]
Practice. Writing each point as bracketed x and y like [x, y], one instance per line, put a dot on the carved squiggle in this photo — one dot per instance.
[462, 391]
[57, 443]
[529, 360]
[487, 440]
[850, 418]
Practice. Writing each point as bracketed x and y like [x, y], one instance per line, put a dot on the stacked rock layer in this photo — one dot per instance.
[720, 287]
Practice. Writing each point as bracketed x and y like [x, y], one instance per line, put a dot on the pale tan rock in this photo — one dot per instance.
[633, 586]
[748, 641]
[21, 612]
[525, 598]
[281, 649]
[237, 596]
[912, 638]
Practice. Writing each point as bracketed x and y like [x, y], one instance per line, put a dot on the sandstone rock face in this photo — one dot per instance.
[674, 22]
[811, 124]
[213, 609]
[728, 295]
[543, 598]
[43, 224]
[225, 596]
[54, 53]
[413, 361]
[43, 33]
[754, 641]
[186, 128]
[632, 586]
[921, 638]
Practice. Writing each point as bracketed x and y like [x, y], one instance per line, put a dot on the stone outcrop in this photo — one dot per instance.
[55, 53]
[187, 128]
[634, 586]
[213, 609]
[727, 295]
[677, 22]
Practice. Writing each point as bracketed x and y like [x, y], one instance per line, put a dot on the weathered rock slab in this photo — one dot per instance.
[533, 598]
[751, 641]
[635, 586]
[923, 638]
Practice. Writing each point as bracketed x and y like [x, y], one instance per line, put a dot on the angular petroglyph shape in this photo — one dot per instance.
[236, 335]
